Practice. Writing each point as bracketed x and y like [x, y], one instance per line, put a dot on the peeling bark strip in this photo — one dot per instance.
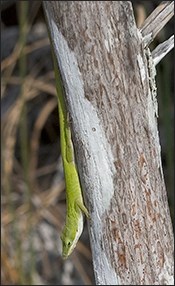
[109, 96]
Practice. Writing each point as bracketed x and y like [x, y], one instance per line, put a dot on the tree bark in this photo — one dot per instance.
[111, 100]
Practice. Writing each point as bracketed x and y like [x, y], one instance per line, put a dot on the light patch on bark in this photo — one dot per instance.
[106, 42]
[152, 106]
[142, 68]
[165, 277]
[110, 37]
[152, 81]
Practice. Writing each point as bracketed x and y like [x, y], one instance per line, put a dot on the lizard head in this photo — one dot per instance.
[70, 237]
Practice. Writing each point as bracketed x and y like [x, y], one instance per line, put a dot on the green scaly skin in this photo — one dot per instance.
[74, 200]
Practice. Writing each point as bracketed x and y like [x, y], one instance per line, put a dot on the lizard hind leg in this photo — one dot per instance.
[82, 207]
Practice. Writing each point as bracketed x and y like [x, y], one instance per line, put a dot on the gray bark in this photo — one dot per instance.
[111, 100]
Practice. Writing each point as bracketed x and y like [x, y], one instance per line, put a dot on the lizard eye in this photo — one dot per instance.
[69, 243]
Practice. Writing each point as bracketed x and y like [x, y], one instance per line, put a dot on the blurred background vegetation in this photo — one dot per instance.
[33, 196]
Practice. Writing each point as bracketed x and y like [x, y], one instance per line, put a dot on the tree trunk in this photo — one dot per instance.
[111, 99]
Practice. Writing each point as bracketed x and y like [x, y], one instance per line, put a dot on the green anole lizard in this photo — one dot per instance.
[74, 200]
